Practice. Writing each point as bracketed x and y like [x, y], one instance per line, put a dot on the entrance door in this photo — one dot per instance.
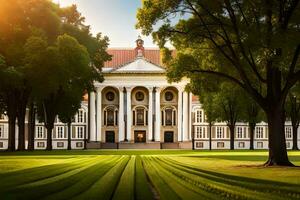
[110, 137]
[140, 136]
[169, 136]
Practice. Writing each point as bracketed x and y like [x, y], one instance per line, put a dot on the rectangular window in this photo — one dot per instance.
[79, 144]
[199, 116]
[259, 132]
[110, 117]
[288, 132]
[80, 132]
[60, 131]
[80, 116]
[220, 144]
[241, 144]
[140, 120]
[260, 145]
[41, 144]
[220, 132]
[39, 132]
[60, 144]
[239, 132]
[199, 144]
[1, 131]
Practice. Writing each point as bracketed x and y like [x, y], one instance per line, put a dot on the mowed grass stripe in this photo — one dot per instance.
[125, 188]
[84, 181]
[164, 189]
[35, 174]
[248, 185]
[104, 187]
[142, 185]
[182, 188]
[48, 189]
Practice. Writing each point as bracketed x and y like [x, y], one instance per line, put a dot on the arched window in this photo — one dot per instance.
[169, 116]
[140, 116]
[110, 116]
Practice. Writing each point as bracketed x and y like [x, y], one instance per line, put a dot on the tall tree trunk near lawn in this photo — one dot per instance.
[49, 138]
[31, 127]
[231, 128]
[295, 137]
[210, 137]
[22, 105]
[251, 131]
[12, 116]
[277, 144]
[69, 135]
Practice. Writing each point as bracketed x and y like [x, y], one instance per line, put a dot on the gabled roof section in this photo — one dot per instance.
[139, 65]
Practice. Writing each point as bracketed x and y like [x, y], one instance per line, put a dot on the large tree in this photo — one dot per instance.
[255, 44]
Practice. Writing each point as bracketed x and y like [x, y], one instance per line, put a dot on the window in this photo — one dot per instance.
[239, 132]
[110, 117]
[110, 96]
[140, 116]
[79, 144]
[259, 132]
[220, 131]
[288, 145]
[241, 144]
[199, 116]
[288, 132]
[139, 96]
[200, 132]
[41, 144]
[260, 145]
[80, 132]
[39, 132]
[81, 116]
[60, 131]
[1, 131]
[60, 144]
[220, 144]
[169, 96]
[168, 116]
[199, 144]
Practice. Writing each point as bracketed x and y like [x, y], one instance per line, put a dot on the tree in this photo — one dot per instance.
[255, 45]
[293, 112]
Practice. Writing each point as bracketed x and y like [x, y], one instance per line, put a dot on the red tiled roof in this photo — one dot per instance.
[123, 56]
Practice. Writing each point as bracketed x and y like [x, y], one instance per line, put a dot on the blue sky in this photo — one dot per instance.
[114, 18]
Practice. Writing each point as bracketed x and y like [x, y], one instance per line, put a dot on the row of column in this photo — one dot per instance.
[183, 121]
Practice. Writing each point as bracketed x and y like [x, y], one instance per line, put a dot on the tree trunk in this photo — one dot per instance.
[251, 130]
[231, 128]
[11, 132]
[277, 146]
[69, 135]
[21, 132]
[210, 126]
[12, 115]
[49, 138]
[295, 137]
[31, 127]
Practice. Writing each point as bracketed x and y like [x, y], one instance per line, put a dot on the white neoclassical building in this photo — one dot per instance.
[136, 107]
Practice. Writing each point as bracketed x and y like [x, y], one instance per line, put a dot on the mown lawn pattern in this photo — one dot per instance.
[152, 175]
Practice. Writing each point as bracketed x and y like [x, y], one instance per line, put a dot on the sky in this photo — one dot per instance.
[114, 18]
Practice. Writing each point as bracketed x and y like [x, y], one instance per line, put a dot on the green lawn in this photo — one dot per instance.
[146, 174]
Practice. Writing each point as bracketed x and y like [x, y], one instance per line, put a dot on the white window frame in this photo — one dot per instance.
[288, 132]
[220, 132]
[60, 132]
[199, 116]
[79, 132]
[39, 132]
[1, 131]
[80, 116]
[259, 132]
[240, 132]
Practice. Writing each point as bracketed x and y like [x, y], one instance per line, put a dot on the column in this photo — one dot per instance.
[99, 114]
[180, 91]
[185, 116]
[157, 114]
[190, 115]
[129, 113]
[92, 117]
[150, 114]
[121, 114]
